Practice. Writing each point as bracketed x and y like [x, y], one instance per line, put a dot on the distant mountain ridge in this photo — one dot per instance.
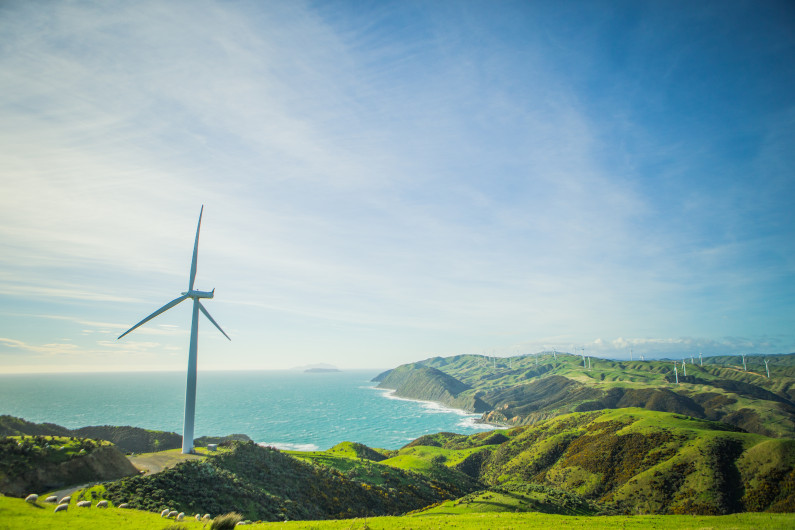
[526, 389]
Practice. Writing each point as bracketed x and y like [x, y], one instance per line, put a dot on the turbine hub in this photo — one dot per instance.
[199, 294]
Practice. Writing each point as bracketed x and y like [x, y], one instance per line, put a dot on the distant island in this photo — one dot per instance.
[317, 368]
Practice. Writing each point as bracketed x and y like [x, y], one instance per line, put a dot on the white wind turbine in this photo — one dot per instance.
[190, 390]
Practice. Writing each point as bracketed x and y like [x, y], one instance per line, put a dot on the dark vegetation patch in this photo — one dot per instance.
[749, 420]
[774, 492]
[474, 464]
[721, 456]
[133, 439]
[127, 439]
[41, 463]
[544, 394]
[202, 441]
[745, 389]
[262, 483]
[618, 458]
[13, 426]
[659, 399]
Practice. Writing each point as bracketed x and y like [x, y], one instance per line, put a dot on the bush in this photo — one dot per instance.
[226, 521]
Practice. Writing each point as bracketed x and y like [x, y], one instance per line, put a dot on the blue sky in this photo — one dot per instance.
[389, 181]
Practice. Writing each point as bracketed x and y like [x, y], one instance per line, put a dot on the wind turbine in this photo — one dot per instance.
[190, 390]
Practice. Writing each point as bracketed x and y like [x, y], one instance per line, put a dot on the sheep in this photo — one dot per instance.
[172, 513]
[123, 505]
[61, 508]
[165, 513]
[51, 498]
[84, 504]
[206, 517]
[32, 498]
[102, 504]
[198, 517]
[180, 516]
[66, 500]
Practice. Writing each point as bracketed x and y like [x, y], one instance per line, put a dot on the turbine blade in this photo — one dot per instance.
[153, 315]
[195, 252]
[203, 310]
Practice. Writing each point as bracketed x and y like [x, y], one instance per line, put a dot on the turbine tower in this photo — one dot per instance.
[190, 388]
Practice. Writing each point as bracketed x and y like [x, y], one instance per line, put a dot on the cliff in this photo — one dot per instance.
[416, 381]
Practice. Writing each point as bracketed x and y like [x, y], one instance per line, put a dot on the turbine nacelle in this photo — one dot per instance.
[199, 294]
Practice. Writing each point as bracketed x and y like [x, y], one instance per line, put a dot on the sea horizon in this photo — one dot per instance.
[287, 409]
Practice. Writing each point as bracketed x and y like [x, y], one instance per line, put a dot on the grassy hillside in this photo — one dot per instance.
[263, 483]
[127, 439]
[629, 461]
[526, 389]
[33, 464]
[17, 514]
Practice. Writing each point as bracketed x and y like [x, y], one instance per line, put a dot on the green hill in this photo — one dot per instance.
[526, 389]
[629, 461]
[263, 483]
[34, 464]
[127, 439]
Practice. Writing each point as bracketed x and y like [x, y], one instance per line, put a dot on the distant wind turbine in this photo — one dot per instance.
[767, 368]
[190, 390]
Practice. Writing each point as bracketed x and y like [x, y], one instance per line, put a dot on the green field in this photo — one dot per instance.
[17, 514]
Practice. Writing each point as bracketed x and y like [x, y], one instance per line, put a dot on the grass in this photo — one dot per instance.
[17, 514]
[159, 460]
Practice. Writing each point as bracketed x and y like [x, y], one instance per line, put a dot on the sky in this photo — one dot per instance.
[387, 181]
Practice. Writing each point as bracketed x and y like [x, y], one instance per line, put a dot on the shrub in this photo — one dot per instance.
[226, 521]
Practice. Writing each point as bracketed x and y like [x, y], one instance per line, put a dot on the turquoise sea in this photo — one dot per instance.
[285, 409]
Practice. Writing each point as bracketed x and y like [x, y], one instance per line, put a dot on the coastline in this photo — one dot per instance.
[389, 393]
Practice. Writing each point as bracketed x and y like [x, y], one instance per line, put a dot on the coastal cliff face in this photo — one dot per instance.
[415, 381]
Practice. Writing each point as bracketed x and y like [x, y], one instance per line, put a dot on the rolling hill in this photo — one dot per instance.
[527, 389]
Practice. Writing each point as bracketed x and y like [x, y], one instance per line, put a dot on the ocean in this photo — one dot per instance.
[284, 409]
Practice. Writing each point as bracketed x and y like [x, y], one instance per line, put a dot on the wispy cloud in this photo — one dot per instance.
[452, 172]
